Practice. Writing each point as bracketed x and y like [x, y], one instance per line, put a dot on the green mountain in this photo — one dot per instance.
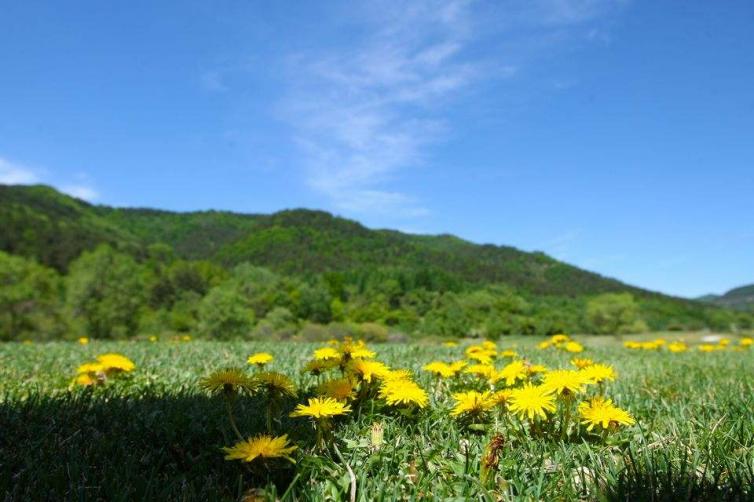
[40, 222]
[327, 268]
[741, 298]
[53, 228]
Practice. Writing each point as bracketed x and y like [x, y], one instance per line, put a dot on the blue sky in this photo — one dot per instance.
[616, 135]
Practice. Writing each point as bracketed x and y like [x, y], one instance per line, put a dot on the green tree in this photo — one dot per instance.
[106, 292]
[614, 313]
[225, 314]
[314, 303]
[29, 299]
[263, 290]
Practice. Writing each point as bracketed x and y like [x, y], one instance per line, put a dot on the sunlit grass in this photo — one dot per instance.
[155, 434]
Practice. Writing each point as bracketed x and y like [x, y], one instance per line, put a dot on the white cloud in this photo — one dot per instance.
[13, 173]
[83, 192]
[563, 12]
[16, 174]
[365, 113]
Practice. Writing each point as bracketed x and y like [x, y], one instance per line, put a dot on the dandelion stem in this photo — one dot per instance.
[232, 420]
[269, 417]
[566, 418]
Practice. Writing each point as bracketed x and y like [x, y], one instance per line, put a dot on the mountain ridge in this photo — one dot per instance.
[738, 298]
[317, 238]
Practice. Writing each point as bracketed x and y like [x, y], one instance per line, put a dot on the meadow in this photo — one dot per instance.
[155, 433]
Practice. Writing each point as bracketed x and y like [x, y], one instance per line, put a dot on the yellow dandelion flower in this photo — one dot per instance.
[508, 353]
[631, 344]
[501, 397]
[260, 358]
[565, 382]
[450, 344]
[475, 348]
[91, 368]
[582, 362]
[676, 347]
[228, 381]
[116, 362]
[533, 369]
[659, 342]
[480, 370]
[437, 368]
[86, 379]
[561, 338]
[472, 403]
[326, 353]
[355, 350]
[362, 353]
[340, 389]
[573, 347]
[531, 401]
[368, 370]
[83, 340]
[724, 342]
[602, 412]
[513, 371]
[321, 408]
[319, 366]
[746, 341]
[648, 346]
[440, 369]
[263, 447]
[403, 392]
[399, 374]
[185, 338]
[275, 384]
[708, 347]
[544, 345]
[598, 373]
[457, 366]
[482, 357]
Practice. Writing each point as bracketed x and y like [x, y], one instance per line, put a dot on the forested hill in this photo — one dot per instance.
[70, 267]
[741, 298]
[53, 228]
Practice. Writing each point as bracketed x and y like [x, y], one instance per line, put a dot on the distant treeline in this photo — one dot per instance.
[107, 293]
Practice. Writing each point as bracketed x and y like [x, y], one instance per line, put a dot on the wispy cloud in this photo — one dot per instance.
[363, 114]
[16, 174]
[568, 12]
[81, 191]
[13, 173]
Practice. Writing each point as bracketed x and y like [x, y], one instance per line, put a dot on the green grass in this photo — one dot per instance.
[154, 435]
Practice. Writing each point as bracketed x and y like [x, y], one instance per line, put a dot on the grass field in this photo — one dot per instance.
[155, 435]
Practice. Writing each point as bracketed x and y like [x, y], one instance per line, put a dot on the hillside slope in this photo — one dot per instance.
[53, 228]
[741, 298]
[421, 282]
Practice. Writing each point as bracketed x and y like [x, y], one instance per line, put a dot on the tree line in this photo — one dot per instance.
[110, 294]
